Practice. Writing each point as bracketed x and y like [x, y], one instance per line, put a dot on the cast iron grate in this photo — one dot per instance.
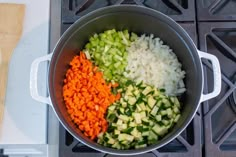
[219, 39]
[185, 145]
[216, 10]
[179, 10]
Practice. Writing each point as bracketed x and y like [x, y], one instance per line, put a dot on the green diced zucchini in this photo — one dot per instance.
[143, 114]
[176, 110]
[154, 111]
[152, 136]
[156, 92]
[139, 108]
[131, 100]
[166, 102]
[128, 130]
[137, 118]
[132, 124]
[121, 110]
[165, 122]
[163, 112]
[142, 106]
[111, 117]
[151, 102]
[124, 137]
[176, 102]
[158, 118]
[145, 121]
[160, 130]
[117, 132]
[112, 108]
[124, 104]
[147, 90]
[169, 113]
[136, 133]
[177, 118]
[124, 117]
[119, 122]
[139, 128]
[140, 146]
[136, 93]
[146, 133]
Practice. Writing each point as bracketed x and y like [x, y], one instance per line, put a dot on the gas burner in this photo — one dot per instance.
[232, 97]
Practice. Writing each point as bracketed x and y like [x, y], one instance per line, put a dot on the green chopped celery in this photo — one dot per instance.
[108, 50]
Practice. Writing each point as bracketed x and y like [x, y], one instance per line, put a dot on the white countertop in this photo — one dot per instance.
[25, 120]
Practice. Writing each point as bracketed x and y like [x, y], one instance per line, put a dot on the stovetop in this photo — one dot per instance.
[212, 26]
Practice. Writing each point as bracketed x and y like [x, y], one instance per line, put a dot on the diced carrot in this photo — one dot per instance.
[87, 96]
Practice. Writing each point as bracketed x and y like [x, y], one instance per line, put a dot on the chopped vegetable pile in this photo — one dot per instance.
[142, 116]
[111, 99]
[108, 51]
[87, 96]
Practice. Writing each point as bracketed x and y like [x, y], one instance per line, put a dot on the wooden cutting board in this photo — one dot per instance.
[11, 24]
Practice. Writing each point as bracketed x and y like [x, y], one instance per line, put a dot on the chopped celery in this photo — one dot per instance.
[108, 51]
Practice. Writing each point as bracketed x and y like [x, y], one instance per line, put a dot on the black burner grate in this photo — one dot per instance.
[219, 39]
[179, 10]
[216, 10]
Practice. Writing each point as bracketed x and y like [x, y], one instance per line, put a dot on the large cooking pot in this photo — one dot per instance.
[139, 20]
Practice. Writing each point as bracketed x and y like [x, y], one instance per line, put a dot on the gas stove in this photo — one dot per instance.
[211, 24]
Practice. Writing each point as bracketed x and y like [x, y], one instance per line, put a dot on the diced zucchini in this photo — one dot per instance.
[140, 146]
[169, 113]
[132, 100]
[151, 102]
[124, 104]
[117, 132]
[139, 108]
[143, 114]
[112, 108]
[136, 133]
[137, 118]
[165, 122]
[166, 102]
[146, 133]
[124, 137]
[176, 102]
[111, 141]
[158, 118]
[177, 118]
[128, 130]
[154, 111]
[176, 110]
[121, 110]
[145, 121]
[124, 117]
[142, 106]
[156, 92]
[130, 88]
[124, 126]
[163, 112]
[152, 136]
[147, 90]
[111, 117]
[136, 93]
[132, 124]
[160, 130]
[119, 122]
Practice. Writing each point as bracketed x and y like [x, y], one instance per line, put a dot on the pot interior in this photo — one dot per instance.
[139, 20]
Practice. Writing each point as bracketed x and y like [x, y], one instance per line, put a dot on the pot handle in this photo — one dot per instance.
[34, 79]
[216, 74]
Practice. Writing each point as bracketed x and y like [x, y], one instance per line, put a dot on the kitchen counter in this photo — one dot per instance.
[24, 128]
